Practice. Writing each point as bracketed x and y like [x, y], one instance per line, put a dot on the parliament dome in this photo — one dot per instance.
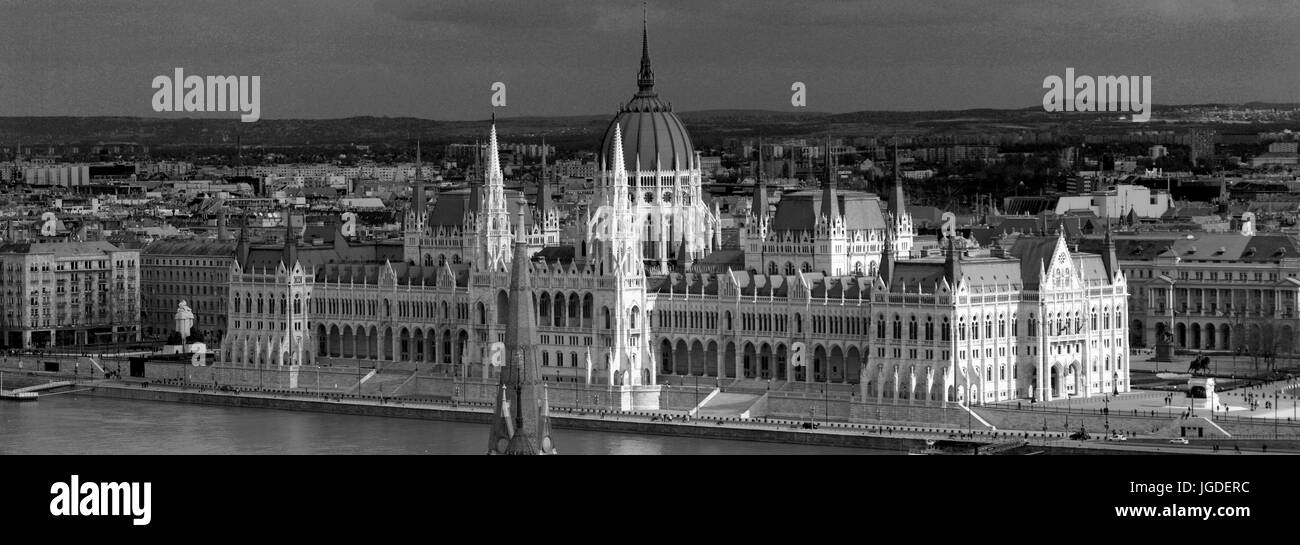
[652, 133]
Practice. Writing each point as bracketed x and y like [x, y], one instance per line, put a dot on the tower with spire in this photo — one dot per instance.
[413, 232]
[904, 234]
[546, 223]
[521, 423]
[493, 222]
[831, 236]
[664, 179]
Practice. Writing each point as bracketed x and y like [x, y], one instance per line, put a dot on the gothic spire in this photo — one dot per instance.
[760, 187]
[417, 192]
[522, 422]
[897, 206]
[290, 241]
[830, 197]
[645, 80]
[543, 189]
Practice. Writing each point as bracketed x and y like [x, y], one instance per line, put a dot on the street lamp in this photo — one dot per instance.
[1106, 412]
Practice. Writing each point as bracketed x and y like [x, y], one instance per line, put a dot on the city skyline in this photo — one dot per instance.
[398, 58]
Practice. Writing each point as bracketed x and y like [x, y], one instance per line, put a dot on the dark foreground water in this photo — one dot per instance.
[72, 424]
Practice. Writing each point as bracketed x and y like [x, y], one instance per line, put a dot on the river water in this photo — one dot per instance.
[73, 424]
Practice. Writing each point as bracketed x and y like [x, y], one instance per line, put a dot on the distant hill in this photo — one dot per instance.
[708, 127]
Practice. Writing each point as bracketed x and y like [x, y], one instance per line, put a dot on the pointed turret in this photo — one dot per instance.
[417, 190]
[290, 255]
[897, 205]
[887, 257]
[543, 189]
[522, 422]
[830, 197]
[760, 187]
[1108, 257]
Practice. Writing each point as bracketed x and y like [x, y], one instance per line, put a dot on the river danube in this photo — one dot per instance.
[72, 424]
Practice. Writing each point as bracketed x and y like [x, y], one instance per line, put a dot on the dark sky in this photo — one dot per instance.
[438, 59]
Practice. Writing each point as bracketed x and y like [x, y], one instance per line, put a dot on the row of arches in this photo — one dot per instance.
[684, 357]
[1256, 338]
[431, 345]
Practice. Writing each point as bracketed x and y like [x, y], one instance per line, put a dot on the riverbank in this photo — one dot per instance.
[899, 439]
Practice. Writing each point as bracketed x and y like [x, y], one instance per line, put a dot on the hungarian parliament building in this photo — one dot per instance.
[835, 289]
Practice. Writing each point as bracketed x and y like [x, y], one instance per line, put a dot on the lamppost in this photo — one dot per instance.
[826, 407]
[697, 392]
[1106, 412]
[1275, 415]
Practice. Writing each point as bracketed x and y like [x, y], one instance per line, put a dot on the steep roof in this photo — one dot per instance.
[800, 210]
[59, 249]
[191, 247]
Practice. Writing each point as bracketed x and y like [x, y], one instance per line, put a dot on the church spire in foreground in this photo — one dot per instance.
[522, 423]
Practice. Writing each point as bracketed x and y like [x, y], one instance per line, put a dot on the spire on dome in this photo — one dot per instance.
[645, 79]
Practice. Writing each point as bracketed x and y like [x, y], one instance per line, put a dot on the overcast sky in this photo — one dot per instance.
[438, 59]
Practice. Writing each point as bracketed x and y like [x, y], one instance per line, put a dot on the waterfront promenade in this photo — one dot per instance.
[1045, 425]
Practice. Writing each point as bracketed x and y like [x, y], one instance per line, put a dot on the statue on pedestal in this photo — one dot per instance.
[184, 320]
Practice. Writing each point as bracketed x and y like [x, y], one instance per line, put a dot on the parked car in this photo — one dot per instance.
[1117, 437]
[1080, 436]
[1179, 440]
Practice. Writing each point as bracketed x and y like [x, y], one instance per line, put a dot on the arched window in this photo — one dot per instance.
[605, 314]
[1033, 326]
[728, 320]
[632, 317]
[236, 303]
[1002, 372]
[911, 328]
[546, 358]
[1093, 322]
[880, 327]
[1002, 325]
[573, 359]
[988, 326]
[946, 333]
[297, 304]
[806, 267]
[771, 268]
[929, 328]
[961, 328]
[898, 327]
[989, 373]
[789, 268]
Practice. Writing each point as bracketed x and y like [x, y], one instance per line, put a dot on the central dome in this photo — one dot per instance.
[652, 133]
